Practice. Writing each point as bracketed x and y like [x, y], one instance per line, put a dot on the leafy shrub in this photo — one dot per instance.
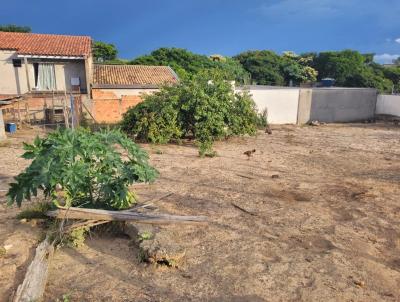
[154, 120]
[76, 238]
[145, 236]
[262, 119]
[83, 168]
[204, 107]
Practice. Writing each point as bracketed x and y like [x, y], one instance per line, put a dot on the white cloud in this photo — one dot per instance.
[385, 58]
[398, 40]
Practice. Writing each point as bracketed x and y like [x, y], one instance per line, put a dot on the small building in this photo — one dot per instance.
[40, 63]
[46, 69]
[116, 88]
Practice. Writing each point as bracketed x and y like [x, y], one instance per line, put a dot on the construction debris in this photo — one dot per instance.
[314, 123]
[32, 288]
[242, 209]
[95, 214]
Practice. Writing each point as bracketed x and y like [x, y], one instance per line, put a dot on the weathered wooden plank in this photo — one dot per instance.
[96, 214]
[32, 288]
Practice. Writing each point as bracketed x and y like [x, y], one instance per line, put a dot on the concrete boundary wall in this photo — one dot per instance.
[337, 105]
[304, 109]
[281, 102]
[288, 105]
[388, 104]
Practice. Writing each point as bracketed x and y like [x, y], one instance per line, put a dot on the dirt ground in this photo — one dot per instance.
[314, 215]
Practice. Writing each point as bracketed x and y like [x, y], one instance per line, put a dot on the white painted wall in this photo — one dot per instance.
[13, 79]
[67, 70]
[282, 103]
[388, 104]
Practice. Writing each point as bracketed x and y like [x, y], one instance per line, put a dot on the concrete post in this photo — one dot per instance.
[2, 130]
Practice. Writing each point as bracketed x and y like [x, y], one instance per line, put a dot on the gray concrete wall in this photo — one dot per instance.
[335, 105]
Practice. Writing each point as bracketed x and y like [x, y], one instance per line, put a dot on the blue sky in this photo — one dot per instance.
[219, 26]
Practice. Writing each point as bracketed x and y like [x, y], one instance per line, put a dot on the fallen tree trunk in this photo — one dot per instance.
[32, 288]
[95, 214]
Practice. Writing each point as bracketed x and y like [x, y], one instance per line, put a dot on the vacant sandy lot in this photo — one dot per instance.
[326, 228]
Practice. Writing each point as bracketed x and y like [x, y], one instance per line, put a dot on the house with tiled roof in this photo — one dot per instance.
[42, 63]
[45, 69]
[132, 76]
[116, 88]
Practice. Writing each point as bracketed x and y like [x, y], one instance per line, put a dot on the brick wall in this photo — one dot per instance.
[105, 106]
[35, 105]
[108, 108]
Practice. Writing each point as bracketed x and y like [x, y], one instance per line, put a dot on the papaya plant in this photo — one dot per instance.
[83, 168]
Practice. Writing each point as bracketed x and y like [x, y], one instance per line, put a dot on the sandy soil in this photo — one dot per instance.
[326, 228]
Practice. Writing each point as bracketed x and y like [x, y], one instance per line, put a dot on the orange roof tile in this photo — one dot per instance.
[45, 44]
[131, 75]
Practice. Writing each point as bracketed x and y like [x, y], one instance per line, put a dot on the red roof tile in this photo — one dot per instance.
[45, 44]
[128, 75]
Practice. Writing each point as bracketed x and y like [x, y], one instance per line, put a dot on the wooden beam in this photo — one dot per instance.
[95, 214]
[32, 288]
[28, 119]
[65, 108]
[88, 111]
[19, 115]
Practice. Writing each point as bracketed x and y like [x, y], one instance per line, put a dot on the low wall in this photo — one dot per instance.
[33, 108]
[338, 105]
[388, 104]
[281, 102]
[109, 105]
[111, 111]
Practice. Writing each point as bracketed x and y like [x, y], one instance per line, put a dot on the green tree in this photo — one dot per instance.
[268, 68]
[203, 106]
[103, 52]
[264, 67]
[296, 68]
[15, 28]
[393, 74]
[340, 65]
[186, 63]
[351, 69]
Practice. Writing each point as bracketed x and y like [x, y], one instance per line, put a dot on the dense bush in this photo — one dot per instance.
[204, 107]
[155, 119]
[81, 168]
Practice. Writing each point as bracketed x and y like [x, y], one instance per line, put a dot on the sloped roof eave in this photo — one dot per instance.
[132, 76]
